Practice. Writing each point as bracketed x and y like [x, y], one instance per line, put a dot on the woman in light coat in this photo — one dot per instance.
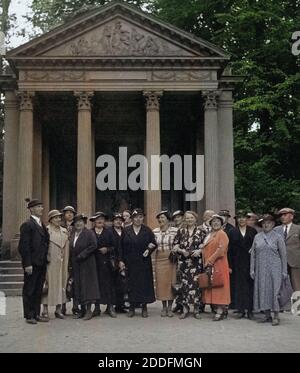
[57, 269]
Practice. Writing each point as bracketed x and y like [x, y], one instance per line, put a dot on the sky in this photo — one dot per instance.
[20, 8]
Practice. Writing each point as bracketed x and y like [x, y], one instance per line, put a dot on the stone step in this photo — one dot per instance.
[10, 263]
[11, 278]
[11, 270]
[12, 292]
[11, 285]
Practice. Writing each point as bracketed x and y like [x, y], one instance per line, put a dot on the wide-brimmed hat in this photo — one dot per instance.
[177, 213]
[225, 213]
[163, 212]
[69, 208]
[117, 215]
[80, 217]
[33, 202]
[266, 217]
[251, 215]
[99, 214]
[53, 213]
[286, 210]
[217, 216]
[137, 211]
[241, 214]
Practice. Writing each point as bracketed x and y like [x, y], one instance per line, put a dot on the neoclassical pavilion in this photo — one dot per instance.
[113, 76]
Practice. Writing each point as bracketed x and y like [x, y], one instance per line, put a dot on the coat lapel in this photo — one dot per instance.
[42, 229]
[291, 231]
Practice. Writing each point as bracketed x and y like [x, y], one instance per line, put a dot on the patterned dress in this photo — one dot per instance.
[165, 271]
[268, 263]
[189, 267]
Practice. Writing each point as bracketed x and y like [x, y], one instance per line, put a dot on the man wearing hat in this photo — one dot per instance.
[227, 227]
[291, 234]
[33, 248]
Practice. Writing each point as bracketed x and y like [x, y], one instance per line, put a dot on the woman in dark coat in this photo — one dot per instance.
[116, 231]
[241, 240]
[104, 259]
[83, 245]
[137, 245]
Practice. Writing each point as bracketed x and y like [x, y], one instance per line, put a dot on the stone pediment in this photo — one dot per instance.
[117, 30]
[119, 37]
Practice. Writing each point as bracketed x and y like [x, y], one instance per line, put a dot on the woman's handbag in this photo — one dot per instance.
[45, 288]
[285, 293]
[177, 287]
[173, 257]
[70, 288]
[211, 278]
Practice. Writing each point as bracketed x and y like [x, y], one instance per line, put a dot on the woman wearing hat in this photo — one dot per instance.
[116, 231]
[83, 246]
[187, 245]
[104, 259]
[215, 259]
[241, 240]
[67, 218]
[165, 270]
[57, 269]
[137, 244]
[268, 269]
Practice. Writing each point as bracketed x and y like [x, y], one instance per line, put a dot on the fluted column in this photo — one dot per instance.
[85, 167]
[226, 154]
[25, 163]
[11, 126]
[152, 197]
[45, 180]
[211, 150]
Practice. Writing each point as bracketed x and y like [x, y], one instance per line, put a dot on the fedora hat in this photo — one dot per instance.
[33, 202]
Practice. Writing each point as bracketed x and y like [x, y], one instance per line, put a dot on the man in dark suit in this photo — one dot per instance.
[291, 234]
[33, 247]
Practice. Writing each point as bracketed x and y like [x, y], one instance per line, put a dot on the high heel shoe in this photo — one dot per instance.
[218, 317]
[59, 315]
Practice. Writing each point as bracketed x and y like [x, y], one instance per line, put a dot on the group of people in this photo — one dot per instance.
[111, 263]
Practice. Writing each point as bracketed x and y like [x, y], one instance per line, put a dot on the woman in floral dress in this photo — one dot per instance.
[188, 246]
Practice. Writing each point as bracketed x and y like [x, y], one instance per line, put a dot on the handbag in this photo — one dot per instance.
[285, 292]
[173, 257]
[177, 287]
[70, 288]
[45, 288]
[208, 280]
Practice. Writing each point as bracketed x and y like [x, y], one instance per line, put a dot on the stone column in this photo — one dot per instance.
[45, 180]
[211, 150]
[10, 172]
[25, 164]
[37, 159]
[226, 157]
[85, 166]
[152, 197]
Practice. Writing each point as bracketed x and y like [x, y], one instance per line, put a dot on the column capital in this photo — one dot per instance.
[211, 99]
[26, 100]
[152, 99]
[84, 100]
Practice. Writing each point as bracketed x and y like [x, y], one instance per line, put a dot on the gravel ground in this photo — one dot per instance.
[155, 334]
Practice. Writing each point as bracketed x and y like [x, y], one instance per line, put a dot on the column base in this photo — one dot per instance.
[14, 253]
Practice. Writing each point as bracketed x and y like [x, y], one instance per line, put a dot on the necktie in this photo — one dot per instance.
[285, 232]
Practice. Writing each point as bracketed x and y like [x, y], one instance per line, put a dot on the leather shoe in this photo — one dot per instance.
[275, 322]
[88, 315]
[42, 319]
[131, 313]
[59, 315]
[31, 321]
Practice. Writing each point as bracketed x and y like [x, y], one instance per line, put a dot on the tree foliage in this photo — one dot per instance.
[257, 34]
